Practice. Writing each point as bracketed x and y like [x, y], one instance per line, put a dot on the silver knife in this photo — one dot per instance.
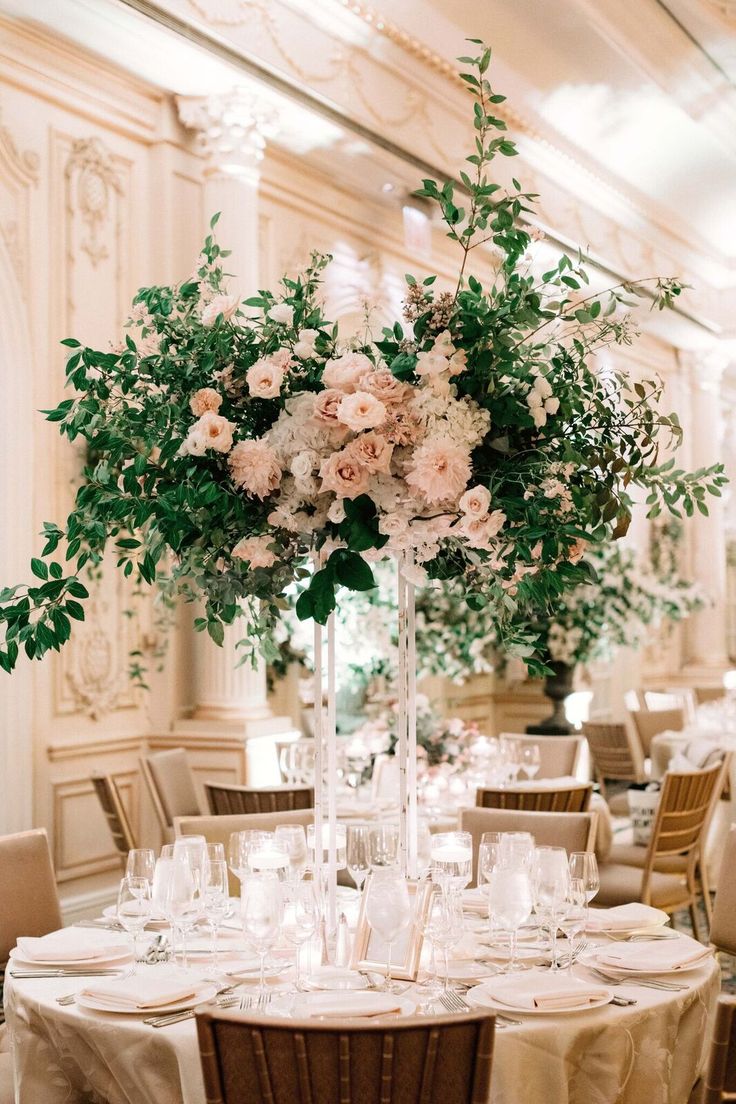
[63, 973]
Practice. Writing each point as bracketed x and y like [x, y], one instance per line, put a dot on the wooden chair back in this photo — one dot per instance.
[565, 799]
[615, 751]
[30, 901]
[109, 797]
[558, 755]
[229, 800]
[415, 1060]
[703, 694]
[650, 722]
[720, 1075]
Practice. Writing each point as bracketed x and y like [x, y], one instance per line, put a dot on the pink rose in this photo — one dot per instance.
[480, 531]
[384, 385]
[343, 475]
[344, 372]
[476, 501]
[372, 451]
[212, 431]
[264, 378]
[205, 399]
[439, 470]
[361, 411]
[225, 305]
[255, 550]
[254, 468]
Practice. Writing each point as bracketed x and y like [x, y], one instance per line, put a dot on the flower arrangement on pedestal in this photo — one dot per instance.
[236, 441]
[440, 740]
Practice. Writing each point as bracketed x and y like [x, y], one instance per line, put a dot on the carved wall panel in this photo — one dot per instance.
[18, 175]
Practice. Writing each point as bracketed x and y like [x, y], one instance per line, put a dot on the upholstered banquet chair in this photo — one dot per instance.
[562, 799]
[558, 755]
[109, 797]
[229, 800]
[573, 831]
[29, 902]
[683, 813]
[412, 1060]
[723, 922]
[617, 757]
[170, 783]
[650, 722]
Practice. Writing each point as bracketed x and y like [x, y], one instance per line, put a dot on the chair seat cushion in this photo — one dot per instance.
[631, 854]
[621, 884]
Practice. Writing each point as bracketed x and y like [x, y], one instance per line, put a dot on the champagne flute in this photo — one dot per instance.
[140, 863]
[510, 891]
[552, 878]
[489, 856]
[388, 911]
[584, 866]
[384, 846]
[261, 909]
[530, 759]
[134, 909]
[358, 853]
[182, 906]
[574, 921]
[300, 922]
[215, 898]
[294, 839]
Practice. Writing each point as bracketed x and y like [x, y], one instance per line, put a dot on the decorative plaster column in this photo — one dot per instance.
[231, 130]
[706, 653]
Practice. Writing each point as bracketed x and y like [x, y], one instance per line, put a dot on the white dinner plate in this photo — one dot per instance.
[308, 1004]
[467, 971]
[479, 997]
[590, 958]
[335, 978]
[203, 993]
[71, 963]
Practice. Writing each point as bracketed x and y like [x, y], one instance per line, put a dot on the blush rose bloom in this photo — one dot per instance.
[264, 378]
[343, 475]
[439, 470]
[225, 305]
[283, 313]
[384, 385]
[304, 347]
[475, 501]
[325, 409]
[254, 468]
[372, 451]
[344, 372]
[255, 550]
[361, 411]
[214, 430]
[205, 399]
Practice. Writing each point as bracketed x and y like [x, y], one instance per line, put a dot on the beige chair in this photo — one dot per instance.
[170, 783]
[29, 902]
[229, 800]
[683, 813]
[565, 799]
[117, 819]
[412, 1060]
[650, 722]
[573, 831]
[723, 922]
[558, 755]
[705, 694]
[218, 829]
[719, 1082]
[617, 757]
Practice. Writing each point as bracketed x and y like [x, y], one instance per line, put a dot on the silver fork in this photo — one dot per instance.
[264, 999]
[189, 1014]
[246, 1002]
[453, 1002]
[66, 1000]
[647, 983]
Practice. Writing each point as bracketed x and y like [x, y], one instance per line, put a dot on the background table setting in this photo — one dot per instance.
[623, 1016]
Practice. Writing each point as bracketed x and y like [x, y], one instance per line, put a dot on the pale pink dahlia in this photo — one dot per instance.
[439, 470]
[254, 468]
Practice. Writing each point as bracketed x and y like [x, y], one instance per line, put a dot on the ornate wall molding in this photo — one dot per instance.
[19, 174]
[91, 175]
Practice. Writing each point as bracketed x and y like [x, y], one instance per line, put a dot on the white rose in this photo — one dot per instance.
[304, 463]
[305, 345]
[542, 387]
[225, 305]
[552, 405]
[534, 400]
[343, 373]
[336, 512]
[361, 411]
[476, 501]
[416, 575]
[393, 525]
[282, 313]
[196, 442]
[264, 378]
[540, 417]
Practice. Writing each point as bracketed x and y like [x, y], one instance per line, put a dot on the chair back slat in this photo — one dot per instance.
[684, 806]
[430, 1061]
[615, 752]
[117, 818]
[230, 800]
[566, 799]
[29, 904]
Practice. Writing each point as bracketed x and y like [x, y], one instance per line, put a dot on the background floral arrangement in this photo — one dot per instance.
[439, 740]
[236, 440]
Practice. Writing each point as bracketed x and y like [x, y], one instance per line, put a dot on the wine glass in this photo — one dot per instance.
[444, 927]
[384, 846]
[510, 891]
[452, 859]
[300, 922]
[134, 909]
[575, 918]
[584, 865]
[180, 899]
[270, 856]
[286, 763]
[294, 839]
[489, 856]
[216, 852]
[261, 908]
[238, 846]
[215, 898]
[194, 848]
[551, 888]
[140, 863]
[511, 759]
[517, 848]
[388, 911]
[530, 759]
[358, 853]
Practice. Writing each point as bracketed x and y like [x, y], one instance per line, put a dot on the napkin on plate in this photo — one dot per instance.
[336, 1005]
[545, 992]
[667, 954]
[69, 945]
[624, 917]
[143, 993]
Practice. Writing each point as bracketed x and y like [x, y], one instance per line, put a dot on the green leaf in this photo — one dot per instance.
[354, 573]
[216, 630]
[39, 569]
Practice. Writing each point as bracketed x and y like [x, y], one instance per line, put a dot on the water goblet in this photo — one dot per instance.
[510, 892]
[584, 865]
[140, 863]
[530, 759]
[384, 846]
[134, 909]
[294, 839]
[444, 927]
[215, 898]
[551, 887]
[238, 847]
[301, 915]
[181, 905]
[261, 911]
[389, 912]
[452, 859]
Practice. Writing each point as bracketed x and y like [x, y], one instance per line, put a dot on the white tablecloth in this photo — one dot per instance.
[647, 1054]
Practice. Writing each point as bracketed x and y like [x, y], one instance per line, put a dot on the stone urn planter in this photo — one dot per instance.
[557, 687]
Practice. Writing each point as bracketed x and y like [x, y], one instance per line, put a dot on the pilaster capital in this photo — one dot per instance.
[706, 367]
[231, 129]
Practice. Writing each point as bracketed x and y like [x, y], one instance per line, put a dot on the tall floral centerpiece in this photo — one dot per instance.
[240, 445]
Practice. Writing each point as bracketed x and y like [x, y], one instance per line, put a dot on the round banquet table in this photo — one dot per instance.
[650, 1052]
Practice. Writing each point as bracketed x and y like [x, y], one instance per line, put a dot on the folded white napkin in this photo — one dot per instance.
[623, 917]
[544, 991]
[666, 954]
[336, 1005]
[475, 900]
[69, 945]
[140, 992]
